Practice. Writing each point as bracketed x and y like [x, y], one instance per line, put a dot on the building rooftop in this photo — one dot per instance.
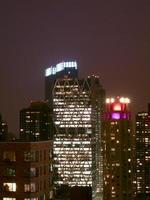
[60, 67]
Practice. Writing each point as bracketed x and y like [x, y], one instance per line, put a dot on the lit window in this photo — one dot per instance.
[9, 171]
[51, 195]
[27, 187]
[50, 154]
[30, 156]
[31, 172]
[50, 168]
[9, 156]
[9, 187]
[30, 187]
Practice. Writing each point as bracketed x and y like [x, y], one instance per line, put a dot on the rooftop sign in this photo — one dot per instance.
[59, 67]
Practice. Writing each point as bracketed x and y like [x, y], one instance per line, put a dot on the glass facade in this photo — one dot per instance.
[63, 69]
[77, 108]
[143, 155]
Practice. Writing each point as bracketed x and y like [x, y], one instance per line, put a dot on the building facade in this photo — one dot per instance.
[3, 130]
[77, 109]
[117, 150]
[143, 155]
[36, 122]
[26, 170]
[52, 73]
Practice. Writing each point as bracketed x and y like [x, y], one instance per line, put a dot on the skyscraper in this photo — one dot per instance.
[117, 149]
[78, 106]
[3, 129]
[36, 122]
[62, 69]
[143, 155]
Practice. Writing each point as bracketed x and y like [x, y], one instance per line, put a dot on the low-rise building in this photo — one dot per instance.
[26, 170]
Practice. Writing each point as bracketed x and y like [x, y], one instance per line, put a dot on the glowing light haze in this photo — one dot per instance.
[106, 38]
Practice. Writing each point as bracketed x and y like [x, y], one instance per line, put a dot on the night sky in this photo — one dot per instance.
[107, 38]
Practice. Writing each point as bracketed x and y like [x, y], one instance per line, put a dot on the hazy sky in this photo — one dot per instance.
[107, 38]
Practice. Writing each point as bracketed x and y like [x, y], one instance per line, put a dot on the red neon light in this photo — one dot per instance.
[117, 107]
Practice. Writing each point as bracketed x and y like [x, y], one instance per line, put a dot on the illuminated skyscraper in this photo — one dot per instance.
[77, 112]
[78, 107]
[143, 155]
[3, 130]
[52, 73]
[117, 150]
[36, 122]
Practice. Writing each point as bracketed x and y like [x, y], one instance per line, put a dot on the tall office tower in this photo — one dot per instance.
[36, 122]
[77, 110]
[3, 130]
[143, 155]
[117, 149]
[62, 69]
[26, 170]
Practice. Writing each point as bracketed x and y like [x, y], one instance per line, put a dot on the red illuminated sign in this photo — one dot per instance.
[117, 107]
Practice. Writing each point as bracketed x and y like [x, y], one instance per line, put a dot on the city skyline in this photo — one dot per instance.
[110, 40]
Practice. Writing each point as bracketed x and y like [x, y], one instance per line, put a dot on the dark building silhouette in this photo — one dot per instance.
[117, 149]
[143, 155]
[65, 192]
[36, 122]
[26, 170]
[3, 130]
[81, 193]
